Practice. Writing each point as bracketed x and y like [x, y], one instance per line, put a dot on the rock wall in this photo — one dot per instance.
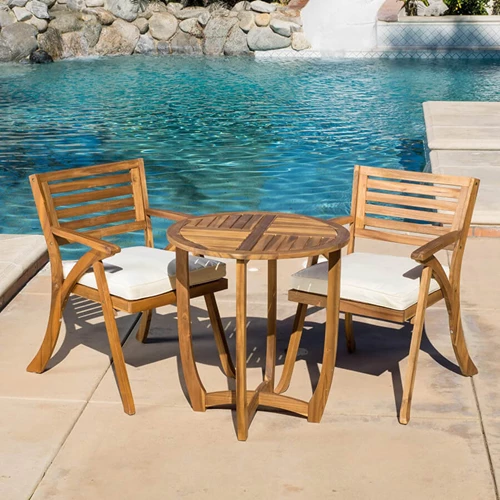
[82, 28]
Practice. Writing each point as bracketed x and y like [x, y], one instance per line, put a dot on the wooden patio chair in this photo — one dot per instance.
[84, 205]
[430, 211]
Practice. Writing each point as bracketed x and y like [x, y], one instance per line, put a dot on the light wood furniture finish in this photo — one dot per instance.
[257, 236]
[89, 192]
[430, 211]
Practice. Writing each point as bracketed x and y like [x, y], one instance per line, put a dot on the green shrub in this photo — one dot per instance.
[466, 7]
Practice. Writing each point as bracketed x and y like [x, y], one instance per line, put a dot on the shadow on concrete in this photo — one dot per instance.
[380, 346]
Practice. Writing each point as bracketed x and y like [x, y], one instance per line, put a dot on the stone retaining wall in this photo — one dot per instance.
[82, 28]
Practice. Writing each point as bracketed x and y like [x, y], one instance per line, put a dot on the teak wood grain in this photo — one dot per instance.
[106, 200]
[260, 236]
[432, 212]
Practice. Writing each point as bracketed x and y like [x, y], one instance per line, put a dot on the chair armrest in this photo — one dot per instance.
[102, 246]
[425, 252]
[346, 219]
[166, 214]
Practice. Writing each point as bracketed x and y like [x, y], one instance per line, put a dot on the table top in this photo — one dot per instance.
[257, 235]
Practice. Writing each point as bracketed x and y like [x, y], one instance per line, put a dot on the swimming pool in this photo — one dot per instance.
[224, 133]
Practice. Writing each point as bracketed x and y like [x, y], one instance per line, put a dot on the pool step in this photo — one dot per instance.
[21, 257]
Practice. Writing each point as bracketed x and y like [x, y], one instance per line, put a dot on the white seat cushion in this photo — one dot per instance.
[140, 272]
[381, 280]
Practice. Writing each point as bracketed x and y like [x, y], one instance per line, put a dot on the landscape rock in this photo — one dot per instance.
[20, 39]
[247, 21]
[192, 27]
[49, 3]
[124, 9]
[103, 16]
[76, 5]
[21, 13]
[190, 12]
[142, 25]
[91, 32]
[163, 25]
[260, 6]
[94, 3]
[118, 39]
[284, 28]
[51, 42]
[262, 20]
[17, 3]
[40, 24]
[216, 33]
[236, 43]
[242, 6]
[266, 39]
[182, 43]
[40, 57]
[5, 52]
[145, 45]
[75, 45]
[174, 8]
[38, 9]
[204, 18]
[6, 17]
[163, 48]
[67, 22]
[285, 17]
[299, 41]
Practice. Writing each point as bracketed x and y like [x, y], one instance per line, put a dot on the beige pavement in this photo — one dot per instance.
[64, 434]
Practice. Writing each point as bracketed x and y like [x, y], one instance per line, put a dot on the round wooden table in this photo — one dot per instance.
[257, 236]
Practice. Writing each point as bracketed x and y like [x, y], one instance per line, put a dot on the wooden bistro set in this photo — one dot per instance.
[86, 205]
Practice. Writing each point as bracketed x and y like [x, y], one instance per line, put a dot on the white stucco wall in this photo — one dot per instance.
[341, 25]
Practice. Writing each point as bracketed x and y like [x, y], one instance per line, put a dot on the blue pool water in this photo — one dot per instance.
[225, 133]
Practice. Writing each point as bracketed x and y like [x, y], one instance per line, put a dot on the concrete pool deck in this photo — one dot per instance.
[464, 139]
[64, 434]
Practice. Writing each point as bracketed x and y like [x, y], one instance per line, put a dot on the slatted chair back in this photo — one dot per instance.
[98, 201]
[409, 207]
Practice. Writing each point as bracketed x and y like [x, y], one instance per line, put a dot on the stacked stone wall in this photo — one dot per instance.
[82, 28]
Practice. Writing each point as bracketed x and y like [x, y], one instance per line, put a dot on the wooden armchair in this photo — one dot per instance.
[84, 205]
[430, 211]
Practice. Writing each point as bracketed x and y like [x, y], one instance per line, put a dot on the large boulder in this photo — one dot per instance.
[236, 43]
[94, 3]
[182, 43]
[39, 24]
[102, 15]
[266, 39]
[247, 20]
[76, 5]
[17, 3]
[66, 22]
[49, 3]
[216, 33]
[20, 38]
[163, 25]
[6, 17]
[300, 41]
[145, 45]
[142, 25]
[118, 39]
[204, 18]
[51, 42]
[242, 6]
[124, 9]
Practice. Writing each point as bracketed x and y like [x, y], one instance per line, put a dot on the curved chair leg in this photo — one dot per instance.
[293, 348]
[220, 337]
[416, 339]
[467, 366]
[114, 340]
[349, 333]
[145, 323]
[43, 355]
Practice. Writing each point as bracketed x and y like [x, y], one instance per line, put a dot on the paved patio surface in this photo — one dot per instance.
[64, 434]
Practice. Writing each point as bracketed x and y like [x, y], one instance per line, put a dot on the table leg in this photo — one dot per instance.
[194, 385]
[241, 350]
[271, 325]
[320, 397]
